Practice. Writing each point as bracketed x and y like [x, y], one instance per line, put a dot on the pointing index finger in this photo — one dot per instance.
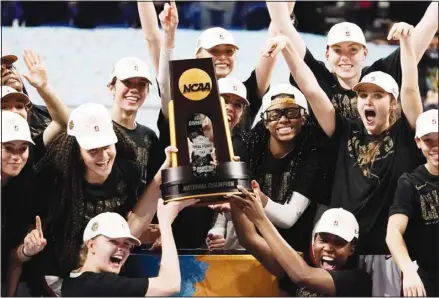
[38, 225]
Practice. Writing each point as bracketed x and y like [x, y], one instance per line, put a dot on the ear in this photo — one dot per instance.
[365, 51]
[327, 53]
[352, 251]
[418, 142]
[112, 88]
[304, 120]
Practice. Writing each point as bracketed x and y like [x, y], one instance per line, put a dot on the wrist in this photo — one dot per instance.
[410, 267]
[45, 87]
[24, 253]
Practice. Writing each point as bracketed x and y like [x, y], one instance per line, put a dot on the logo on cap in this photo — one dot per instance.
[221, 36]
[16, 128]
[71, 125]
[235, 88]
[136, 68]
[94, 227]
[336, 223]
[348, 33]
[96, 128]
[433, 121]
[372, 79]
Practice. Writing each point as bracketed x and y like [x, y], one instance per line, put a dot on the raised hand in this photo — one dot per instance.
[400, 30]
[215, 242]
[34, 242]
[250, 204]
[169, 21]
[168, 151]
[37, 71]
[167, 213]
[274, 45]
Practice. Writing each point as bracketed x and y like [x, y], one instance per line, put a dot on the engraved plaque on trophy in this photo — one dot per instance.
[203, 167]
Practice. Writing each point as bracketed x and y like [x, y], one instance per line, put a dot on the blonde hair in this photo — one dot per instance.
[366, 157]
[82, 255]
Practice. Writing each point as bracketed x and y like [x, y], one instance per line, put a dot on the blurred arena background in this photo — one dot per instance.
[80, 41]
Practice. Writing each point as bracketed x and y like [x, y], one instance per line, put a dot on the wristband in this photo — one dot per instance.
[22, 251]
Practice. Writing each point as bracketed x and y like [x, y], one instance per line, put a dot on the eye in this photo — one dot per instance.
[293, 113]
[273, 115]
[377, 96]
[362, 95]
[337, 51]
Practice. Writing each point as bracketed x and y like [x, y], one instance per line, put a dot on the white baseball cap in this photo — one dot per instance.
[109, 224]
[15, 128]
[233, 86]
[130, 67]
[8, 92]
[214, 36]
[380, 79]
[345, 31]
[339, 222]
[427, 123]
[299, 98]
[92, 126]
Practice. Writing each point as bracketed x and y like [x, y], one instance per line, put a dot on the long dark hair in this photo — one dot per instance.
[65, 206]
[258, 146]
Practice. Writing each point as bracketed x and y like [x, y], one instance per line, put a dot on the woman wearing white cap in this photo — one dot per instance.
[413, 228]
[39, 117]
[129, 85]
[346, 52]
[333, 245]
[107, 242]
[89, 170]
[373, 151]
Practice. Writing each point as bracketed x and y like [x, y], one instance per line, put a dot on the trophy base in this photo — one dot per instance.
[179, 183]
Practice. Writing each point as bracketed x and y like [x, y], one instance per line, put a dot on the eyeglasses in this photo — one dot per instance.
[289, 113]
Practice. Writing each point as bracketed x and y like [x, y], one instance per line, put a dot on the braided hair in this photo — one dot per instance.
[258, 148]
[65, 208]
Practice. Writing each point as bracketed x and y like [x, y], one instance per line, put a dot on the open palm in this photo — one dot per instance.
[37, 71]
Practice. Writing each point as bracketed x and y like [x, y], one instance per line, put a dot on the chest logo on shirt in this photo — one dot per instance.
[430, 207]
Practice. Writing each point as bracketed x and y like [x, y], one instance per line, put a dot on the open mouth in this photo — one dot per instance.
[328, 263]
[103, 165]
[116, 260]
[285, 130]
[223, 65]
[132, 99]
[346, 66]
[370, 115]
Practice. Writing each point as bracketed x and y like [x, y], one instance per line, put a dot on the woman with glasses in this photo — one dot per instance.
[283, 160]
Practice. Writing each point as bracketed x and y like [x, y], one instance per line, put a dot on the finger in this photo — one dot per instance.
[243, 190]
[34, 56]
[38, 225]
[27, 78]
[391, 32]
[29, 56]
[37, 58]
[423, 293]
[27, 60]
[37, 236]
[33, 240]
[217, 245]
[409, 30]
[173, 5]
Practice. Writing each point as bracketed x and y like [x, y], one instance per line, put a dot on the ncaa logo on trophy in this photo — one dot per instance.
[203, 167]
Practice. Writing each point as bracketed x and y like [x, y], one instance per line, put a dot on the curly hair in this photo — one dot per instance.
[65, 213]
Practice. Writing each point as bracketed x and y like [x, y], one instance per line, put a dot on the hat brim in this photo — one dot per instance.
[430, 128]
[337, 41]
[6, 139]
[16, 95]
[125, 77]
[242, 99]
[9, 58]
[98, 141]
[337, 232]
[365, 84]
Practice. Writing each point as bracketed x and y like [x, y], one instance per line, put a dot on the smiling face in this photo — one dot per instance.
[331, 252]
[429, 146]
[375, 107]
[98, 163]
[11, 77]
[235, 106]
[284, 129]
[15, 105]
[223, 58]
[109, 255]
[14, 157]
[130, 94]
[346, 59]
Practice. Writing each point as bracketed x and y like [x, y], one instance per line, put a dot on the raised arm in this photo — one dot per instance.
[144, 211]
[316, 279]
[38, 79]
[150, 28]
[306, 81]
[280, 19]
[411, 102]
[412, 284]
[168, 281]
[425, 30]
[169, 21]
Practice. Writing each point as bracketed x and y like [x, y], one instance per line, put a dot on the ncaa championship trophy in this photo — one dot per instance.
[203, 167]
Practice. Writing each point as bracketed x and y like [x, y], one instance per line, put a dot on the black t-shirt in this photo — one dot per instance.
[417, 197]
[343, 100]
[348, 283]
[368, 192]
[104, 284]
[38, 119]
[298, 171]
[150, 153]
[117, 194]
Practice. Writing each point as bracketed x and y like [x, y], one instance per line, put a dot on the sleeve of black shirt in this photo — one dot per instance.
[106, 285]
[156, 159]
[402, 202]
[251, 84]
[163, 127]
[353, 283]
[390, 65]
